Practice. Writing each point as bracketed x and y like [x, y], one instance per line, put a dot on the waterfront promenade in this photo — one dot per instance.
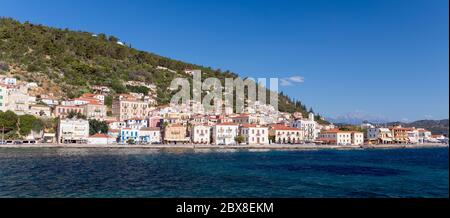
[237, 147]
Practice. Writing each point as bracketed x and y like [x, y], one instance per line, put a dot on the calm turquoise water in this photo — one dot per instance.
[188, 173]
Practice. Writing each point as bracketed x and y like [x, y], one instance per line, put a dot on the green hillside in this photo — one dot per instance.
[69, 62]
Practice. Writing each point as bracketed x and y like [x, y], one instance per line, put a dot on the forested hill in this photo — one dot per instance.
[68, 62]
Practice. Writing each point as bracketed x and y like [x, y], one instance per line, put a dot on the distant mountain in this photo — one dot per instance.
[435, 126]
[356, 118]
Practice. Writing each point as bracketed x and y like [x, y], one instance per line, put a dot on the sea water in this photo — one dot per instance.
[383, 173]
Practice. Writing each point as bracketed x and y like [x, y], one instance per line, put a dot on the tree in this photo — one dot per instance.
[78, 115]
[8, 119]
[272, 138]
[38, 125]
[50, 124]
[118, 87]
[109, 100]
[102, 36]
[113, 39]
[239, 139]
[138, 89]
[130, 141]
[25, 124]
[96, 126]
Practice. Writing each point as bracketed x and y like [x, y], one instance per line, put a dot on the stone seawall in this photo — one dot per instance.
[196, 146]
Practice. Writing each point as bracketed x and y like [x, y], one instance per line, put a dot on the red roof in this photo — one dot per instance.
[252, 126]
[100, 135]
[283, 127]
[226, 124]
[335, 131]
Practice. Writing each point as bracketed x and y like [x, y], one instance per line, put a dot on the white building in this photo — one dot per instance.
[40, 110]
[114, 133]
[136, 123]
[413, 136]
[308, 126]
[201, 134]
[117, 125]
[146, 135]
[95, 110]
[225, 133]
[336, 137]
[439, 139]
[128, 134]
[424, 135]
[101, 139]
[380, 135]
[50, 101]
[16, 99]
[255, 134]
[75, 102]
[9, 80]
[151, 135]
[367, 126]
[357, 138]
[3, 97]
[101, 89]
[285, 134]
[99, 97]
[73, 131]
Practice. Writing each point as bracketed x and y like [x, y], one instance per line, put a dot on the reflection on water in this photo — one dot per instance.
[259, 150]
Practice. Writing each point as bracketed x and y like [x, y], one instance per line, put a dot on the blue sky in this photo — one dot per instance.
[386, 58]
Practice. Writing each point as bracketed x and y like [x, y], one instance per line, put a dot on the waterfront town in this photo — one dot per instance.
[135, 119]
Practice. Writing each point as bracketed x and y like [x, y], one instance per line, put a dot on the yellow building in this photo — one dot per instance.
[175, 133]
[400, 134]
[126, 106]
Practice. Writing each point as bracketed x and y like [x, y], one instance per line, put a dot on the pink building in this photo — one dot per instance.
[63, 111]
[155, 121]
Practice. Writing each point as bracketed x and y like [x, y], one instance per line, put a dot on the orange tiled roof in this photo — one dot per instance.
[252, 126]
[100, 135]
[283, 127]
[335, 131]
[227, 124]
